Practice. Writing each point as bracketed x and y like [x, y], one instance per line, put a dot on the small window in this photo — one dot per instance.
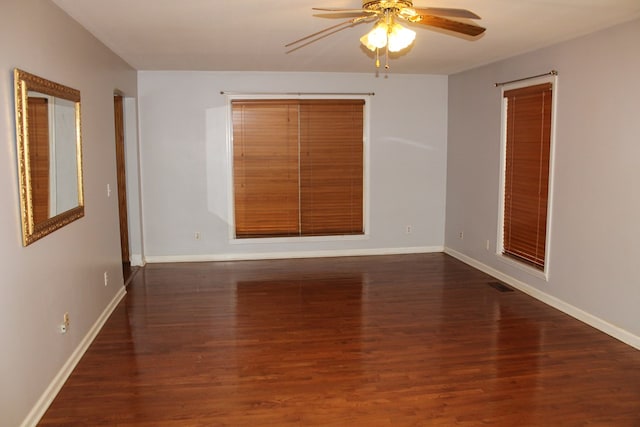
[527, 151]
[298, 167]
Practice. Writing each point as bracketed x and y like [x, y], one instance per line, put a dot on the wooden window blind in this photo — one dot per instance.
[331, 167]
[528, 143]
[298, 167]
[265, 166]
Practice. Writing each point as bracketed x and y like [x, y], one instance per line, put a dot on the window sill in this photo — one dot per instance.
[304, 239]
[540, 274]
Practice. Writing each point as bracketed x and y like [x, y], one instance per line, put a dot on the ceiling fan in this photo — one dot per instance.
[387, 33]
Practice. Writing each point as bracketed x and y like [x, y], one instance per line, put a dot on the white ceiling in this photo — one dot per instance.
[249, 35]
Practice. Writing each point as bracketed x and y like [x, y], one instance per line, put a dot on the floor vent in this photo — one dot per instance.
[500, 287]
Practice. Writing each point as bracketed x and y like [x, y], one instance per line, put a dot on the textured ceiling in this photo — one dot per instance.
[250, 35]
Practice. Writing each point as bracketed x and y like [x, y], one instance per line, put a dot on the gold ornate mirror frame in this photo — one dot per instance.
[49, 155]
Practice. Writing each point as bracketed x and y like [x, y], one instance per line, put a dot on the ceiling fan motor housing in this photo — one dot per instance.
[381, 5]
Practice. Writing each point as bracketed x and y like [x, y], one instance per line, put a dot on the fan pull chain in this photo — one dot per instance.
[388, 17]
[386, 57]
[377, 58]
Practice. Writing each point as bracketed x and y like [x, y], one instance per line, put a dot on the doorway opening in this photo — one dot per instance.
[118, 109]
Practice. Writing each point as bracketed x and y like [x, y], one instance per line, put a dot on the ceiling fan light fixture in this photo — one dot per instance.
[395, 35]
[400, 37]
[377, 37]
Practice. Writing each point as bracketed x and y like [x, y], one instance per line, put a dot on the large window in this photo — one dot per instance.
[526, 172]
[298, 167]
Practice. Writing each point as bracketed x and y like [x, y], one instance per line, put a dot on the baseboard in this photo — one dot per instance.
[289, 255]
[136, 260]
[591, 320]
[58, 381]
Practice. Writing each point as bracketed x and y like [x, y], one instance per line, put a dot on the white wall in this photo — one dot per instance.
[184, 167]
[595, 228]
[62, 272]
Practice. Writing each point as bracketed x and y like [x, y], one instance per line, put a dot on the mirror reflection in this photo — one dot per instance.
[50, 155]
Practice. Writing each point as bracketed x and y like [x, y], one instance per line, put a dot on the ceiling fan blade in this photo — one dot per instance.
[336, 27]
[338, 9]
[444, 11]
[340, 15]
[447, 24]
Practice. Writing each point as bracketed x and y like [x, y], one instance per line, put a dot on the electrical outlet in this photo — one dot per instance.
[461, 235]
[64, 326]
[196, 235]
[106, 278]
[408, 230]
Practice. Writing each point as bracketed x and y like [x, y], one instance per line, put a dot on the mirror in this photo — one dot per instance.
[49, 155]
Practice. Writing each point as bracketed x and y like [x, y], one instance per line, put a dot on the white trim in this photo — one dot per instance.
[133, 177]
[139, 178]
[137, 260]
[575, 312]
[503, 171]
[553, 79]
[299, 239]
[231, 202]
[290, 255]
[532, 271]
[58, 381]
[366, 162]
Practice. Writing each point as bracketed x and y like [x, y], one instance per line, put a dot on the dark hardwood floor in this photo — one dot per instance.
[411, 340]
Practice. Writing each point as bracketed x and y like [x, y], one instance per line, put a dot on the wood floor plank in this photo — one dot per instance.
[364, 341]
